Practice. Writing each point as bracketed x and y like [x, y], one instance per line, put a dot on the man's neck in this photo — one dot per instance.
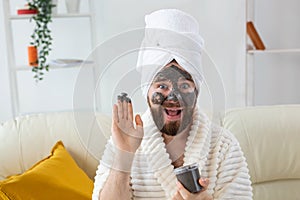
[175, 146]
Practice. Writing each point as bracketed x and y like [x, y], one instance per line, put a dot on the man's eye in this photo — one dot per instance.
[185, 86]
[163, 87]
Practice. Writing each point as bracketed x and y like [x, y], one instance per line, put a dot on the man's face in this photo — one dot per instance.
[172, 97]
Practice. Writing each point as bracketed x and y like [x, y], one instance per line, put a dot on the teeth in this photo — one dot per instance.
[173, 112]
[173, 109]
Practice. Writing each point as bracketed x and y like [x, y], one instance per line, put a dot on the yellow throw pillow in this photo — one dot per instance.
[55, 177]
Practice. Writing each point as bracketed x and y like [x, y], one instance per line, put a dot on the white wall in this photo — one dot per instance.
[221, 25]
[277, 75]
[5, 105]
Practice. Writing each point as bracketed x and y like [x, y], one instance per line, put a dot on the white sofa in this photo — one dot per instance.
[269, 137]
[28, 139]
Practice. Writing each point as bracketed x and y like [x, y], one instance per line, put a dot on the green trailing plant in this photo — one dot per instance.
[41, 36]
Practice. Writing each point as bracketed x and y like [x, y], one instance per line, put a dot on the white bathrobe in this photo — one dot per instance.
[215, 149]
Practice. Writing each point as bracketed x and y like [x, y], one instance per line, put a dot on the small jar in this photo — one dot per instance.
[189, 177]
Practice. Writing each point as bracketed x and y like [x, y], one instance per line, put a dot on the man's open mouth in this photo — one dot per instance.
[173, 113]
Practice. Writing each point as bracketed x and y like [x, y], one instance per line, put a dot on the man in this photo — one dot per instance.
[139, 159]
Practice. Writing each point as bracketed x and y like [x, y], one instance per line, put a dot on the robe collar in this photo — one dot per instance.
[196, 149]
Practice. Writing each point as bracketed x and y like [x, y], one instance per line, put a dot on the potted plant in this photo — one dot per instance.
[41, 36]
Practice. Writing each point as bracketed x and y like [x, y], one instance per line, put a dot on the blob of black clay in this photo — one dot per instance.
[157, 98]
[124, 97]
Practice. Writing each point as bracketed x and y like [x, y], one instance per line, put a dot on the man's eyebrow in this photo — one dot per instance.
[160, 77]
[186, 79]
[186, 75]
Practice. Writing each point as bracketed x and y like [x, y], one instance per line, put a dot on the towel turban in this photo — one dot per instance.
[170, 34]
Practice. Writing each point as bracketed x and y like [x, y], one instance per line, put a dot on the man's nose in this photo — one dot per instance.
[173, 96]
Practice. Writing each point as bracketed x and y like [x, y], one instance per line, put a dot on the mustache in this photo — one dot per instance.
[172, 104]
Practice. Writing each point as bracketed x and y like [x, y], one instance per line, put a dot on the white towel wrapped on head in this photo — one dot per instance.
[170, 34]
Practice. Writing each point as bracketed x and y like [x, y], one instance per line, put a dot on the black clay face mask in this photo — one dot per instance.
[173, 101]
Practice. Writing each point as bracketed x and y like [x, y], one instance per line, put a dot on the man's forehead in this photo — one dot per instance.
[172, 72]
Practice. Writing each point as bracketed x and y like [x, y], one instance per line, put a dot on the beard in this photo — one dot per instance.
[171, 128]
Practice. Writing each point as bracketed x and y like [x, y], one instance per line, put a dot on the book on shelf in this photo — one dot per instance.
[254, 36]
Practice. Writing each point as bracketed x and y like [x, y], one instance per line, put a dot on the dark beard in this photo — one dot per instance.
[174, 127]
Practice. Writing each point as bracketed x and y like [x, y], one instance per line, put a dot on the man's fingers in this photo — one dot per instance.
[130, 111]
[138, 121]
[177, 196]
[183, 192]
[115, 114]
[204, 182]
[120, 109]
[125, 109]
[139, 126]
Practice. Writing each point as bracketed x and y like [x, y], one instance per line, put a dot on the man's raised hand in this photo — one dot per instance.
[126, 136]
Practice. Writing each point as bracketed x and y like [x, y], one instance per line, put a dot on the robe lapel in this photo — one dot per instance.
[197, 145]
[158, 158]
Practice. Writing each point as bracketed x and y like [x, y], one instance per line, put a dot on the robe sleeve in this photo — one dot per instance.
[112, 158]
[233, 180]
[103, 170]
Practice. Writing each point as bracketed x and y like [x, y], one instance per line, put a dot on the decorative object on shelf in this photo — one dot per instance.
[72, 6]
[32, 56]
[25, 10]
[69, 62]
[41, 36]
[254, 36]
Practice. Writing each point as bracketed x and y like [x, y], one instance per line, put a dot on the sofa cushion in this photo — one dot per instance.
[269, 137]
[28, 139]
[55, 177]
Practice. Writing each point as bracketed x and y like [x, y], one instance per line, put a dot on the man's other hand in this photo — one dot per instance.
[184, 194]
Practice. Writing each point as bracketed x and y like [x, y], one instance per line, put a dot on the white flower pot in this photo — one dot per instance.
[72, 6]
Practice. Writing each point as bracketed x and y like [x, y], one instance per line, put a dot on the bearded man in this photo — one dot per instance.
[139, 159]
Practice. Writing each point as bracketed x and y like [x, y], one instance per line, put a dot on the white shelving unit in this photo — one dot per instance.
[26, 68]
[14, 68]
[250, 85]
[69, 15]
[270, 51]
[268, 54]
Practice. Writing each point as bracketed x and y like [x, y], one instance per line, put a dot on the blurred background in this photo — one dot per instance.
[100, 31]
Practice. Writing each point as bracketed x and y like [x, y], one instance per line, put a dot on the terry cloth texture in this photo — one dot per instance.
[215, 149]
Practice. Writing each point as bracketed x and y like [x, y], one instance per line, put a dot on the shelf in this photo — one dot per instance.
[21, 71]
[270, 51]
[67, 15]
[28, 68]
